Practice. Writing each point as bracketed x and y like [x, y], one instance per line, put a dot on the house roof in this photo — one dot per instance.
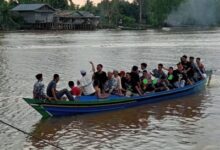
[30, 7]
[75, 14]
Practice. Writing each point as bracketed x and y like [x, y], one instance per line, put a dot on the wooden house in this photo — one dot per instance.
[76, 20]
[36, 15]
[43, 16]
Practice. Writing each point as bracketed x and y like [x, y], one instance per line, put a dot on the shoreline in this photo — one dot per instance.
[118, 29]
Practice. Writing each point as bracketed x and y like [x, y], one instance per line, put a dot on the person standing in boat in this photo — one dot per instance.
[99, 75]
[86, 84]
[54, 93]
[38, 90]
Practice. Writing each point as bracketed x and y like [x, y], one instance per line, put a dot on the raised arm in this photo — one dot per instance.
[165, 68]
[93, 67]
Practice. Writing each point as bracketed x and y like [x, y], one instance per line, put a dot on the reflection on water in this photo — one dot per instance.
[187, 123]
[105, 128]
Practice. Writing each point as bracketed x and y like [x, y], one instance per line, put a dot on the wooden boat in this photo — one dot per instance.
[90, 104]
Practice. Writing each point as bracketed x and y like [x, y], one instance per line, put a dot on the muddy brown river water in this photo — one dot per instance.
[189, 123]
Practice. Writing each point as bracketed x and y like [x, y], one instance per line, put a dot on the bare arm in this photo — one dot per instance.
[93, 67]
[54, 93]
[138, 89]
[167, 69]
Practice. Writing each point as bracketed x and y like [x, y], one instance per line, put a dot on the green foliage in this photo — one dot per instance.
[112, 12]
[6, 19]
[160, 9]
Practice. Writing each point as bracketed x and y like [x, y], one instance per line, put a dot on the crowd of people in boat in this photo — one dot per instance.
[134, 83]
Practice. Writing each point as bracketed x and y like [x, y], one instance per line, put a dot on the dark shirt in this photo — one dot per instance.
[177, 76]
[135, 80]
[50, 86]
[123, 81]
[191, 72]
[101, 77]
[186, 65]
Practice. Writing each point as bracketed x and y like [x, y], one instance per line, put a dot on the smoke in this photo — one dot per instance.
[195, 13]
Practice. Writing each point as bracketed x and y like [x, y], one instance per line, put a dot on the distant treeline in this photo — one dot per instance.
[112, 12]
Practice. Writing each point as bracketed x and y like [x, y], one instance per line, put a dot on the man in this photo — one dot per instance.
[135, 81]
[162, 78]
[111, 84]
[158, 73]
[54, 93]
[99, 75]
[86, 84]
[186, 64]
[180, 77]
[75, 91]
[38, 90]
[191, 72]
[143, 68]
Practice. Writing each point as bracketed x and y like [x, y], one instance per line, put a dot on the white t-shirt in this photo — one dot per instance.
[118, 81]
[86, 84]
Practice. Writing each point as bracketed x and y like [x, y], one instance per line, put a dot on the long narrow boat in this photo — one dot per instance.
[90, 104]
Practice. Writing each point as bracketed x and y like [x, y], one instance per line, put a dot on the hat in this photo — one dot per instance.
[82, 71]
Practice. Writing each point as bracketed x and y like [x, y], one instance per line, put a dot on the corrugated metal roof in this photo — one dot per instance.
[75, 14]
[29, 7]
[85, 14]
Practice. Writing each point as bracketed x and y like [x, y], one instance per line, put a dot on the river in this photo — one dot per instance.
[191, 123]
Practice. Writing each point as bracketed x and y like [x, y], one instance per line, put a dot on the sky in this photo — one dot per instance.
[81, 2]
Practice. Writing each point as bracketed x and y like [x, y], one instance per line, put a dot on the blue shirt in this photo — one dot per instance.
[50, 86]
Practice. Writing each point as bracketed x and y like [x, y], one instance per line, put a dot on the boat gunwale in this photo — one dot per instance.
[106, 102]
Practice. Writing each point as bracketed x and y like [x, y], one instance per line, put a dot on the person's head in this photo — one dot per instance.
[179, 66]
[83, 72]
[198, 60]
[145, 74]
[170, 70]
[134, 69]
[143, 66]
[122, 73]
[184, 58]
[128, 76]
[191, 59]
[160, 67]
[110, 75]
[99, 67]
[56, 77]
[115, 72]
[71, 84]
[39, 77]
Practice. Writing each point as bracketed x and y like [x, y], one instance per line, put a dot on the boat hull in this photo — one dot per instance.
[91, 105]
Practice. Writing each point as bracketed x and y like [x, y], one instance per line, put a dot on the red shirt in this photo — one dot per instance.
[75, 91]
